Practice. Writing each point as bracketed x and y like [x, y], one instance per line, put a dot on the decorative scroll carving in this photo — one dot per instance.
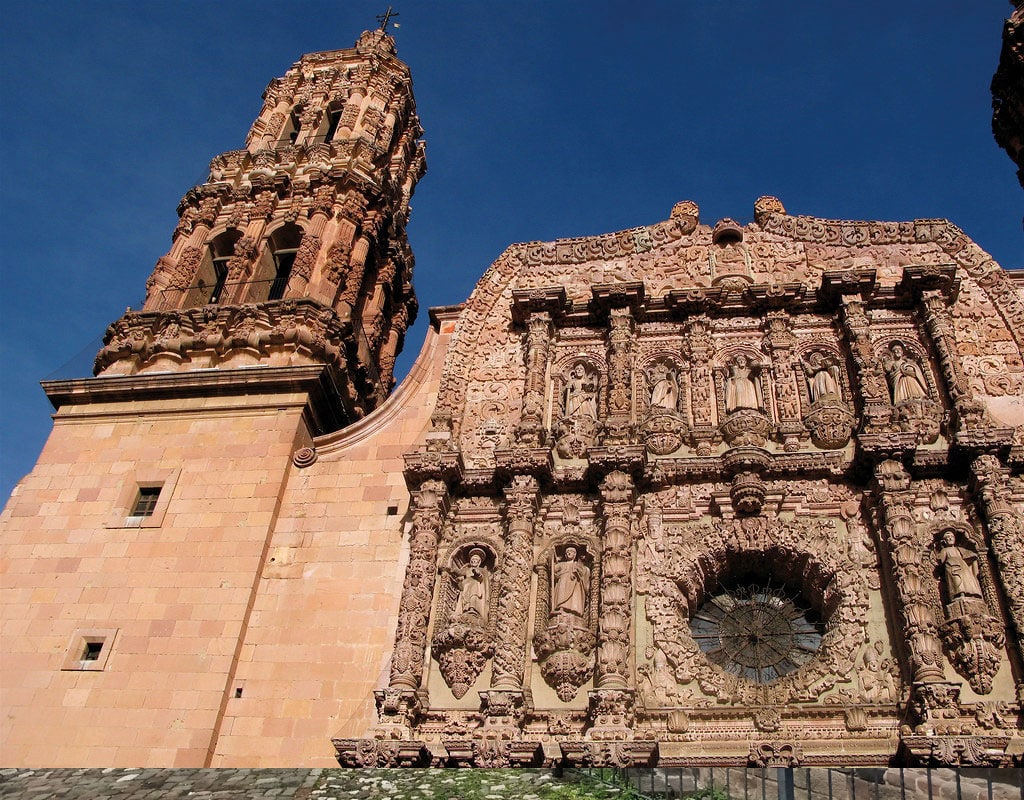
[698, 347]
[183, 273]
[308, 250]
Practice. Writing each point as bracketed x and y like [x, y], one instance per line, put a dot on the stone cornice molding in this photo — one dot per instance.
[325, 409]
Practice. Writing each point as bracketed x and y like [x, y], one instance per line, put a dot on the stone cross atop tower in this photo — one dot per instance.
[294, 250]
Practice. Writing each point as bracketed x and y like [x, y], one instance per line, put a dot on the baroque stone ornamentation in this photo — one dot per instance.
[703, 555]
[565, 638]
[464, 640]
[790, 381]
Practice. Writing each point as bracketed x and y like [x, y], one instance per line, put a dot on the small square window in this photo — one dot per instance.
[89, 649]
[92, 651]
[145, 501]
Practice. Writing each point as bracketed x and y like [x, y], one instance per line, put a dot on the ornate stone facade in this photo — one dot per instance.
[768, 480]
[683, 494]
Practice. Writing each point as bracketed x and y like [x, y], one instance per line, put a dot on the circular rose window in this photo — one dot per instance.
[757, 631]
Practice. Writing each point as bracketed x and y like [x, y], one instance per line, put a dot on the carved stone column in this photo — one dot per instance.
[357, 264]
[616, 582]
[872, 383]
[911, 575]
[971, 422]
[780, 339]
[430, 505]
[611, 701]
[1006, 535]
[389, 350]
[538, 341]
[698, 349]
[309, 247]
[521, 503]
[620, 377]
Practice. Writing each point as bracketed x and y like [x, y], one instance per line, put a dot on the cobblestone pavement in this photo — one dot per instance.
[295, 784]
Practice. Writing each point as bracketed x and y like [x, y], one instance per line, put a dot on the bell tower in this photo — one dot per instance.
[293, 252]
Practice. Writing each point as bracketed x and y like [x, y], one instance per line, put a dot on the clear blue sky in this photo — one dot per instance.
[543, 120]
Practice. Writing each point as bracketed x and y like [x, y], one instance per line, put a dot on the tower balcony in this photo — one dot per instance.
[255, 333]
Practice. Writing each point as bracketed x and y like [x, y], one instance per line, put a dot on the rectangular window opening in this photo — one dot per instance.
[145, 501]
[92, 651]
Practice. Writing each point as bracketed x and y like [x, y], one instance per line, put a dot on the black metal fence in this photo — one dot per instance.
[804, 783]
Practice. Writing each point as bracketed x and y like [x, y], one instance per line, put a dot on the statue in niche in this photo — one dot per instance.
[474, 588]
[743, 386]
[822, 379]
[906, 380]
[665, 391]
[959, 567]
[580, 394]
[570, 584]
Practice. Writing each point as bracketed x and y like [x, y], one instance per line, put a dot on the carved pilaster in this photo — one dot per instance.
[698, 349]
[911, 576]
[620, 376]
[616, 582]
[780, 340]
[970, 419]
[430, 505]
[521, 503]
[1006, 535]
[538, 341]
[869, 377]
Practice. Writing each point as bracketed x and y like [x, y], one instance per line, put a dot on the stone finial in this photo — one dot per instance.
[686, 210]
[727, 230]
[766, 205]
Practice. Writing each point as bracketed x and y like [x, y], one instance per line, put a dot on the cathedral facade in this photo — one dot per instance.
[686, 494]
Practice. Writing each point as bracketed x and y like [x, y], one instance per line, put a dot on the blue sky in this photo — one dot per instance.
[543, 120]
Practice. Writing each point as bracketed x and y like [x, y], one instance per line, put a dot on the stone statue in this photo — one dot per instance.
[906, 381]
[822, 379]
[474, 587]
[580, 394]
[743, 386]
[960, 568]
[570, 585]
[665, 393]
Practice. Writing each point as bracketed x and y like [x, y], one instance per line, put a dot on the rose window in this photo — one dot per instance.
[757, 631]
